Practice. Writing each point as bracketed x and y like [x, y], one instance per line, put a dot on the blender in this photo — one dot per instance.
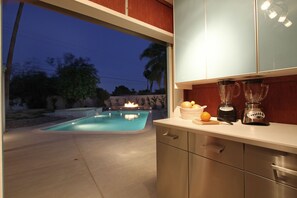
[226, 111]
[254, 92]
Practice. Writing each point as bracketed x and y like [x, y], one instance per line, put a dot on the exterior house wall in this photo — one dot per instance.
[116, 5]
[153, 12]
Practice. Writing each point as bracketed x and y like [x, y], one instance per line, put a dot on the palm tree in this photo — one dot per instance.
[155, 69]
[147, 74]
[10, 54]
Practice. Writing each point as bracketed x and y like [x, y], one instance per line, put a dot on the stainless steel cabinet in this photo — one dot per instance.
[192, 165]
[211, 179]
[215, 168]
[172, 163]
[225, 151]
[270, 173]
[260, 187]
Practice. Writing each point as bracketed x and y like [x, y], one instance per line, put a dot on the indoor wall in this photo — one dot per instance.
[279, 105]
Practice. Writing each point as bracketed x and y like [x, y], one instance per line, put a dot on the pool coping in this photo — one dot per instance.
[148, 126]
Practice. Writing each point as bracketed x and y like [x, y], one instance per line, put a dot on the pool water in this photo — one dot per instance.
[106, 121]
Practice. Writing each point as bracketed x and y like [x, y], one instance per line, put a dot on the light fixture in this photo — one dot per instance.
[272, 14]
[265, 5]
[282, 18]
[287, 23]
[284, 12]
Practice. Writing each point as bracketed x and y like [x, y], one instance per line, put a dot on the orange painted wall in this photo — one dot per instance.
[152, 12]
[279, 106]
[117, 5]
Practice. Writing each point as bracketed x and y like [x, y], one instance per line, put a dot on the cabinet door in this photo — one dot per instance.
[172, 172]
[189, 40]
[231, 40]
[212, 179]
[260, 187]
[277, 40]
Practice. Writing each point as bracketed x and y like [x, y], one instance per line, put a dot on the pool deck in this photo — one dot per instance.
[48, 165]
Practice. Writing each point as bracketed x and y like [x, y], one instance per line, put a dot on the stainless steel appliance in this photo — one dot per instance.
[226, 111]
[254, 91]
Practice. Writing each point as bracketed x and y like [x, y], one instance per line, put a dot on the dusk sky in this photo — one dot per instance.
[44, 33]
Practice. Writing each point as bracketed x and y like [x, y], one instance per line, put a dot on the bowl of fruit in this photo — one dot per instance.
[190, 110]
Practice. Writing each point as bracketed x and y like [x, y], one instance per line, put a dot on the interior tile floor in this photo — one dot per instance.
[60, 165]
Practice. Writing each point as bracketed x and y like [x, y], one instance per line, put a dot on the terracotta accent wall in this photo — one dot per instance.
[280, 105]
[116, 5]
[153, 12]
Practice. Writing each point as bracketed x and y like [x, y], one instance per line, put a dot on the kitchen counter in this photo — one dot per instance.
[277, 136]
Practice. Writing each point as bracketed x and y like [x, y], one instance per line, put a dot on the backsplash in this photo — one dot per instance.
[280, 105]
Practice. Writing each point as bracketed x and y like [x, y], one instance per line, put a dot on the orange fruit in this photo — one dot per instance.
[205, 116]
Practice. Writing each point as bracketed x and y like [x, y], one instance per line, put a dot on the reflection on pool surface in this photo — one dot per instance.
[106, 121]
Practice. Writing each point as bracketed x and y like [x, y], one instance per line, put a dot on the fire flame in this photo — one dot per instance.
[130, 105]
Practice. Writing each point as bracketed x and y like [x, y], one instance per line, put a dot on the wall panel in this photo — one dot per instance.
[152, 12]
[117, 5]
[279, 106]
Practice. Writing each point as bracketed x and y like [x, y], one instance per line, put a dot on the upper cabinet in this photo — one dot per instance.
[189, 19]
[213, 39]
[277, 30]
[230, 42]
[217, 39]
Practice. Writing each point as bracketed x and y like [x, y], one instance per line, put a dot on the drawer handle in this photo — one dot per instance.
[282, 169]
[167, 134]
[214, 148]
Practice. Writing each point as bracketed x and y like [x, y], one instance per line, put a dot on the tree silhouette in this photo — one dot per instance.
[77, 79]
[121, 91]
[155, 69]
[32, 87]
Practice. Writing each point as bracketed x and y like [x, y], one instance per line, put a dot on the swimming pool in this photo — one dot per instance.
[107, 121]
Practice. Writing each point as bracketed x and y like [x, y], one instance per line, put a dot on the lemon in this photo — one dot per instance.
[186, 104]
[196, 106]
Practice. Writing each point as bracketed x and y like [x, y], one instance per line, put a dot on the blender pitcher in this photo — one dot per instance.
[228, 90]
[254, 92]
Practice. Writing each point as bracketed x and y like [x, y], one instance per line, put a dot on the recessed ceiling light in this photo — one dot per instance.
[265, 5]
[272, 14]
[282, 18]
[287, 23]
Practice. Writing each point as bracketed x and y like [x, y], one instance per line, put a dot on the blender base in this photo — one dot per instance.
[227, 113]
[256, 123]
[253, 115]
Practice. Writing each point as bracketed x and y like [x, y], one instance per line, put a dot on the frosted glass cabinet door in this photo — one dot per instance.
[189, 24]
[277, 35]
[231, 40]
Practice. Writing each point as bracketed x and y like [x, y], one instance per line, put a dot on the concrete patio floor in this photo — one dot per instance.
[50, 165]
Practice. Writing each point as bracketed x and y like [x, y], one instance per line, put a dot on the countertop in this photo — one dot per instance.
[277, 136]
